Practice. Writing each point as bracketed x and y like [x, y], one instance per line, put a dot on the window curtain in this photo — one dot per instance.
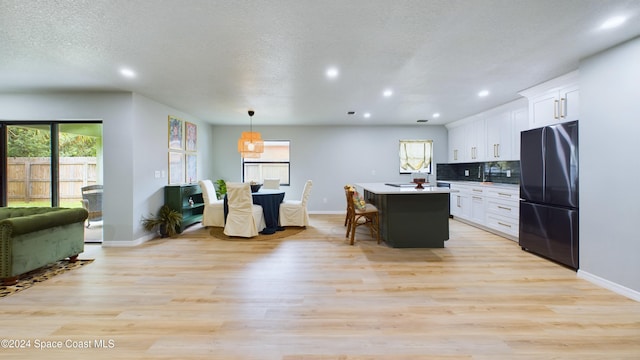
[415, 156]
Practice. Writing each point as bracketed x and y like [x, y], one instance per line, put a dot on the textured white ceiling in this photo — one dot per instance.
[214, 59]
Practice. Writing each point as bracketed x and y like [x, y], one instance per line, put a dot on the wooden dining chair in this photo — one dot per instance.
[245, 219]
[363, 214]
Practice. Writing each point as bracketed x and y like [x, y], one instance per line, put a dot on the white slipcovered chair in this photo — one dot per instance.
[245, 219]
[294, 212]
[213, 214]
[273, 183]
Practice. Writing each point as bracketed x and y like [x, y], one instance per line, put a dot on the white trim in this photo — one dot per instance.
[136, 242]
[332, 212]
[551, 85]
[617, 288]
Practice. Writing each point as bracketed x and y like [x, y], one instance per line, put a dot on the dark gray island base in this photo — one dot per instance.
[411, 218]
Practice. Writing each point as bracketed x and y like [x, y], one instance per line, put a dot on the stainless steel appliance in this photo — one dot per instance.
[549, 192]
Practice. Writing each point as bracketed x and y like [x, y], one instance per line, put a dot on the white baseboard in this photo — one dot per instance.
[333, 212]
[136, 242]
[617, 288]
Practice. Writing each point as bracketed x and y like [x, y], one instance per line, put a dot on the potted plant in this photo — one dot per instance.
[221, 188]
[167, 220]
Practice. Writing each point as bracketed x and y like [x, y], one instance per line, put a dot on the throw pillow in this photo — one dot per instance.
[358, 201]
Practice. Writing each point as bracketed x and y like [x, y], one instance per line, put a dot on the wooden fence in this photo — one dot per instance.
[29, 178]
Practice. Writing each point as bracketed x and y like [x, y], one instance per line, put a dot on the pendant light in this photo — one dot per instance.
[250, 144]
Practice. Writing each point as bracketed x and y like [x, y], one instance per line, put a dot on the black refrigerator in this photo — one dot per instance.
[549, 192]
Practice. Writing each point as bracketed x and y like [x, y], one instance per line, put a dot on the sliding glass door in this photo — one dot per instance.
[28, 176]
[50, 164]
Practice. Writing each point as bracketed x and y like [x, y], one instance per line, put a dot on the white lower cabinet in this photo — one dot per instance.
[492, 207]
[460, 204]
[503, 210]
[477, 205]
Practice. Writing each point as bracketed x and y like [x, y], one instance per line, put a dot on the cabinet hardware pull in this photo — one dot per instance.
[503, 224]
[555, 108]
[477, 197]
[458, 200]
[503, 194]
[497, 150]
[563, 107]
[504, 208]
[477, 190]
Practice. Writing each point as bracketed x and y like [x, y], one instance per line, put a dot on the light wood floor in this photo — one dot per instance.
[314, 297]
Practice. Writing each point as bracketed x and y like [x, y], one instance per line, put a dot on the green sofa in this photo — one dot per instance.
[37, 236]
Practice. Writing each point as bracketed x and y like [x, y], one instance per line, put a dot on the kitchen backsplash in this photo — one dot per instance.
[506, 172]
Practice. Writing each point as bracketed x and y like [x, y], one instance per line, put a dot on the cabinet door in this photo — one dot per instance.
[544, 110]
[460, 202]
[475, 135]
[477, 209]
[460, 205]
[456, 144]
[569, 103]
[499, 137]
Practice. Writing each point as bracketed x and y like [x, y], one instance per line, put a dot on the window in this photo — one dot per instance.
[415, 156]
[272, 163]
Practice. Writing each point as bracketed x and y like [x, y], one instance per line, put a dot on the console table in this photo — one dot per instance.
[176, 197]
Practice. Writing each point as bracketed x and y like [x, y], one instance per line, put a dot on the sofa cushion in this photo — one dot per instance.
[25, 220]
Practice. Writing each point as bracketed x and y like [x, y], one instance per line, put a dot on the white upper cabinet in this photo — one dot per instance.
[456, 144]
[493, 135]
[475, 140]
[554, 101]
[499, 137]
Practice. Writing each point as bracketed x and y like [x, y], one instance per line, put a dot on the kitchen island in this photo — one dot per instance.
[410, 217]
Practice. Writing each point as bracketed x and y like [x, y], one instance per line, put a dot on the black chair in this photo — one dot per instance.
[92, 202]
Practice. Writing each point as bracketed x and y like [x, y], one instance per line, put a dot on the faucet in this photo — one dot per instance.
[481, 170]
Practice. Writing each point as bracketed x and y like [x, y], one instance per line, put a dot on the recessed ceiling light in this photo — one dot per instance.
[483, 93]
[613, 22]
[332, 72]
[366, 115]
[436, 115]
[387, 93]
[127, 73]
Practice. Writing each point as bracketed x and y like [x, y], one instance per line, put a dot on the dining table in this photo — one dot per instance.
[270, 200]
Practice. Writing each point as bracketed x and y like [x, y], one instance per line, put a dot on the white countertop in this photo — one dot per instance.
[381, 188]
[477, 183]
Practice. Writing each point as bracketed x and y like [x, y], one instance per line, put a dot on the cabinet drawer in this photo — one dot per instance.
[502, 224]
[508, 209]
[505, 194]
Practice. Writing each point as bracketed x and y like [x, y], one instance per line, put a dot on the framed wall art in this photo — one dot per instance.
[176, 139]
[192, 168]
[191, 136]
[176, 167]
[415, 156]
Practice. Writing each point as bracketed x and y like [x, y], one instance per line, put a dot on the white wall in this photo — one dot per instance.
[608, 138]
[331, 156]
[115, 111]
[150, 147]
[134, 142]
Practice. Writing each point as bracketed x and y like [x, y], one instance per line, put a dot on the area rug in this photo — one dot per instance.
[218, 232]
[41, 274]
